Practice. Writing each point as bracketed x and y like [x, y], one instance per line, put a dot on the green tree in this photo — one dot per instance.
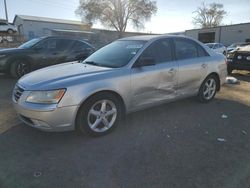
[117, 14]
[210, 15]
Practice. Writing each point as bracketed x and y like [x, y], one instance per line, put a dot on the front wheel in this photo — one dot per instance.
[99, 115]
[208, 89]
[19, 68]
[10, 31]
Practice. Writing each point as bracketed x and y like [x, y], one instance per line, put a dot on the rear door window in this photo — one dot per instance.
[80, 46]
[185, 49]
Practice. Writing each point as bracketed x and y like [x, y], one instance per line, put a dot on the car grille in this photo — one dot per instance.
[243, 57]
[17, 93]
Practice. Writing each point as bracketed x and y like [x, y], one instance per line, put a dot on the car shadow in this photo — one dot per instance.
[241, 75]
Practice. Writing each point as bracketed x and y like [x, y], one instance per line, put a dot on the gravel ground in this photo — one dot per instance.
[184, 144]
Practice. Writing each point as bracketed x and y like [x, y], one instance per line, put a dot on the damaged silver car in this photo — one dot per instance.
[127, 75]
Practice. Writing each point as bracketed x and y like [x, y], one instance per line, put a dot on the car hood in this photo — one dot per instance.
[59, 75]
[10, 51]
[244, 50]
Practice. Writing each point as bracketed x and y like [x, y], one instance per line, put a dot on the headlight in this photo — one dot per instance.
[46, 97]
[239, 57]
[230, 55]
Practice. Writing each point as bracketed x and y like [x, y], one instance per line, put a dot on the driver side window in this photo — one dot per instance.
[160, 51]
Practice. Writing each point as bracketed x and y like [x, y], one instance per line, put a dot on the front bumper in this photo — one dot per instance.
[238, 64]
[46, 117]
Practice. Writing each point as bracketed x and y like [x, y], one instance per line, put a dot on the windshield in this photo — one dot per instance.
[30, 43]
[210, 45]
[116, 54]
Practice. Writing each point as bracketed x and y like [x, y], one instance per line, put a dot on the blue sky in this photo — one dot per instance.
[172, 16]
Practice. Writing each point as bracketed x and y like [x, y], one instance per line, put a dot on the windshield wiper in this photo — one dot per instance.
[97, 64]
[91, 63]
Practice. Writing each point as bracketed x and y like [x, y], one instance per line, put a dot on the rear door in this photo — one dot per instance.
[152, 84]
[59, 50]
[193, 64]
[80, 51]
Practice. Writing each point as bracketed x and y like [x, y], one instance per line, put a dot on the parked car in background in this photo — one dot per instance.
[239, 59]
[234, 46]
[42, 52]
[7, 27]
[125, 76]
[217, 47]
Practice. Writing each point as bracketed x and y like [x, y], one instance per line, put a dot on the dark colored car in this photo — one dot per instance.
[42, 52]
[239, 59]
[234, 46]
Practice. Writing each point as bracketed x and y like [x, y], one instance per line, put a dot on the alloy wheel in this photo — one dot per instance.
[102, 116]
[22, 69]
[209, 89]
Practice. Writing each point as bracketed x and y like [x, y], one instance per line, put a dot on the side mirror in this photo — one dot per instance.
[145, 61]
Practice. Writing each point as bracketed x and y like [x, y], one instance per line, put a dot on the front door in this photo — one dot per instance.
[158, 82]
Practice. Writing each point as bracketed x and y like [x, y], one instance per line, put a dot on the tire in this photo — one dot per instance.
[92, 123]
[229, 71]
[208, 89]
[10, 31]
[18, 68]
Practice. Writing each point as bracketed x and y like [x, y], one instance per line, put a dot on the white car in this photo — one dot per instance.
[7, 27]
[217, 47]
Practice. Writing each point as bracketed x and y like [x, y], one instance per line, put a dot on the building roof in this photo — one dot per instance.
[50, 20]
[232, 25]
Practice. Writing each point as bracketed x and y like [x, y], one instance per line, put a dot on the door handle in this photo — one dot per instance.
[204, 65]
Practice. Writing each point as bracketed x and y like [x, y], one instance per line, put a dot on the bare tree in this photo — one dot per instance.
[210, 15]
[117, 14]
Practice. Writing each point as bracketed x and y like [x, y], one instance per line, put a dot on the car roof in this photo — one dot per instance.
[212, 43]
[152, 37]
[65, 37]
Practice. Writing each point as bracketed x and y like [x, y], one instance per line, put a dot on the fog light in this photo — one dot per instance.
[40, 124]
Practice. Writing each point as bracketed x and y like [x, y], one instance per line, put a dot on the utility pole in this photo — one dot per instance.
[6, 12]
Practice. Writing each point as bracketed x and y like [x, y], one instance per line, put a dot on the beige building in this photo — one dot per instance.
[224, 34]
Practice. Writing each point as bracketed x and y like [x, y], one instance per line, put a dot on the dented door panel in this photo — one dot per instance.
[153, 84]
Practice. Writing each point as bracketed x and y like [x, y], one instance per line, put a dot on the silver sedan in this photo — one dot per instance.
[127, 75]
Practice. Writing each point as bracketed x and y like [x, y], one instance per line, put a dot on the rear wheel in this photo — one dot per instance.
[99, 115]
[208, 89]
[19, 68]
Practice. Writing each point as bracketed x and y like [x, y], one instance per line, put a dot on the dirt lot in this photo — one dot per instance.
[182, 144]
